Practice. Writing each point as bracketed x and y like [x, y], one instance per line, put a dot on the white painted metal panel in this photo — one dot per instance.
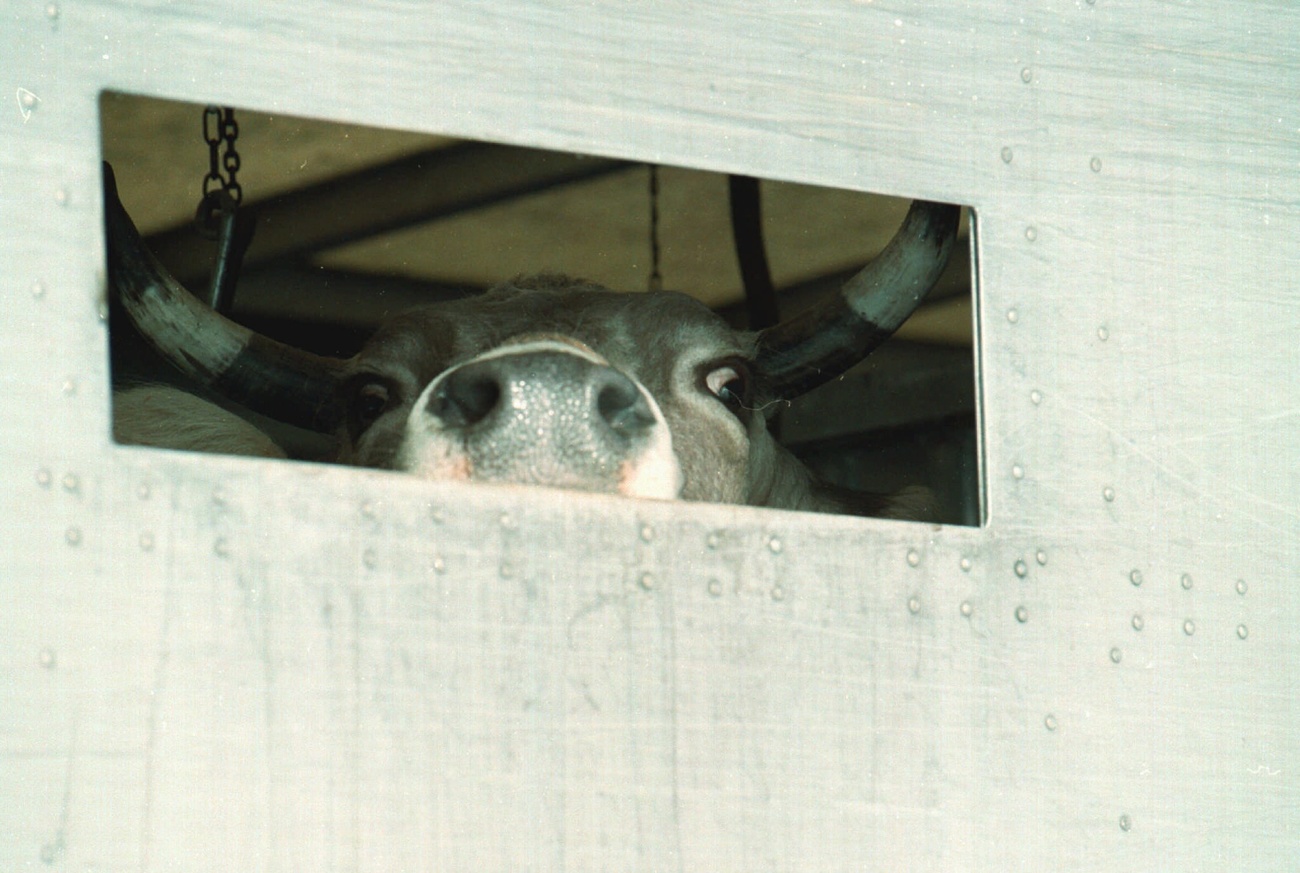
[229, 664]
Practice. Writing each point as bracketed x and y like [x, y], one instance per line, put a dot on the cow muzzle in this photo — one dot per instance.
[544, 412]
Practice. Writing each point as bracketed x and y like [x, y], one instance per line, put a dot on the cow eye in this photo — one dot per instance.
[730, 384]
[369, 402]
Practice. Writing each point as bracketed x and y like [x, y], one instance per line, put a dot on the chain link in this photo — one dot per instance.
[220, 128]
[221, 190]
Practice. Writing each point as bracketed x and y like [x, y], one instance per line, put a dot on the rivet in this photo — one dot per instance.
[774, 545]
[1035, 397]
[369, 558]
[1006, 154]
[38, 289]
[101, 310]
[51, 10]
[1026, 75]
[506, 570]
[1189, 627]
[647, 533]
[439, 565]
[44, 477]
[712, 540]
[1125, 823]
[1022, 614]
[1021, 569]
[146, 541]
[1031, 233]
[1241, 631]
[1138, 623]
[1108, 494]
[221, 548]
[1135, 576]
[143, 491]
[1103, 334]
[69, 386]
[61, 196]
[71, 482]
[914, 605]
[1095, 164]
[965, 565]
[1041, 557]
[1186, 582]
[47, 659]
[367, 509]
[1116, 655]
[1017, 471]
[1049, 722]
[647, 581]
[1013, 316]
[73, 536]
[778, 593]
[966, 608]
[1241, 587]
[913, 558]
[506, 521]
[715, 587]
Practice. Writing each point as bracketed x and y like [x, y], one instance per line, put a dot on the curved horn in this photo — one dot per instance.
[279, 381]
[820, 343]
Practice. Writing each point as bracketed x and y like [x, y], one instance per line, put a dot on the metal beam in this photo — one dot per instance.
[311, 293]
[954, 282]
[397, 194]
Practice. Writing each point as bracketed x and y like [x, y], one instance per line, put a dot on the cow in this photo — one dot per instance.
[543, 380]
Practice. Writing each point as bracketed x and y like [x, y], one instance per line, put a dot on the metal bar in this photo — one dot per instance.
[747, 233]
[232, 242]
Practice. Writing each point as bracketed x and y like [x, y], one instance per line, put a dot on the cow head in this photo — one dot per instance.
[549, 380]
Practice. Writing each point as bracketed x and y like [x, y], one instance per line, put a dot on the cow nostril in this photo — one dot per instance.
[465, 397]
[540, 385]
[621, 405]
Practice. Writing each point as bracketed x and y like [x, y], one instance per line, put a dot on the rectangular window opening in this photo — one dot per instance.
[352, 226]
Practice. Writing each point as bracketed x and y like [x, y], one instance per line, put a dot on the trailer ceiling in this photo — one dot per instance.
[415, 216]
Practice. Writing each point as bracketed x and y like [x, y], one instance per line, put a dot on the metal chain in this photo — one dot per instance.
[219, 217]
[220, 127]
[221, 190]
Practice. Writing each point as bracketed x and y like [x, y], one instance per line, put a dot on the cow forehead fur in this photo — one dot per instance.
[647, 336]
